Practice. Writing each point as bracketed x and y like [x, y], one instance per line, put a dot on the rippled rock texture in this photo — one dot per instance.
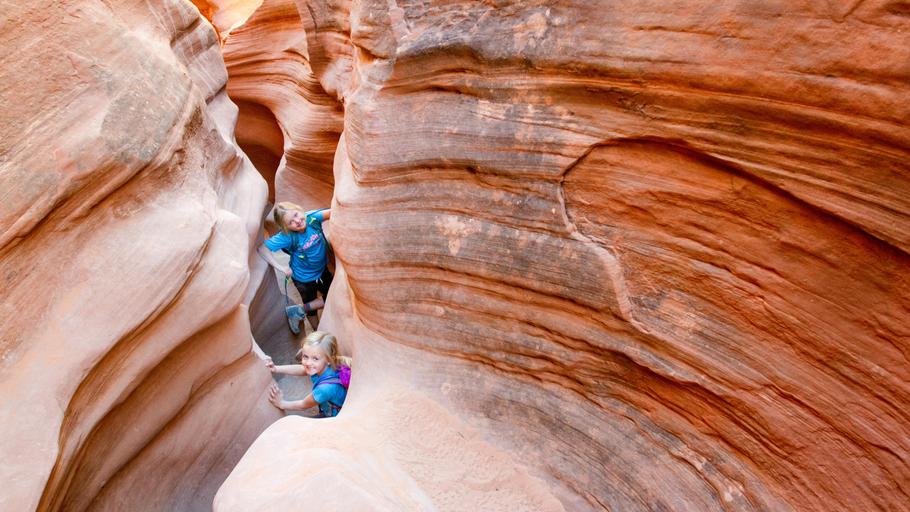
[289, 124]
[126, 222]
[656, 251]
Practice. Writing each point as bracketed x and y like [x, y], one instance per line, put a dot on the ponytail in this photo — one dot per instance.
[345, 361]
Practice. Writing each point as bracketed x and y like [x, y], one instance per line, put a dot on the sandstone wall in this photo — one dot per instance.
[288, 123]
[126, 222]
[654, 251]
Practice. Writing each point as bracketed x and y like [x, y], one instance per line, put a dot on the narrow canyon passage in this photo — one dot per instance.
[274, 111]
[289, 127]
[625, 280]
[588, 256]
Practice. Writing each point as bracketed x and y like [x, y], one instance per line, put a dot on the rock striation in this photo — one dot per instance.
[656, 252]
[288, 123]
[647, 256]
[126, 222]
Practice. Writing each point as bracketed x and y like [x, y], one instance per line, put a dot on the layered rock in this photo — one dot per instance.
[126, 222]
[657, 252]
[288, 123]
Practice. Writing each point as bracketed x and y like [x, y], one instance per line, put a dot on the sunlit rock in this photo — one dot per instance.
[656, 252]
[288, 124]
[126, 223]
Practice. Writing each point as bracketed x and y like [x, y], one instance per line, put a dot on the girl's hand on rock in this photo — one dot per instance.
[275, 395]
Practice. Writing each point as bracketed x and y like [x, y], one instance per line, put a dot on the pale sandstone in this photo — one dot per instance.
[127, 215]
[393, 449]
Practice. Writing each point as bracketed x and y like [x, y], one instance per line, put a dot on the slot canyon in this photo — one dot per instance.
[625, 256]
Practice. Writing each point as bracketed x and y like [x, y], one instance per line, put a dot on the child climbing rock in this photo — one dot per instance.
[329, 372]
[302, 237]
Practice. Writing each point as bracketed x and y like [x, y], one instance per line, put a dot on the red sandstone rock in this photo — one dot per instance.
[656, 251]
[126, 223]
[288, 124]
[650, 256]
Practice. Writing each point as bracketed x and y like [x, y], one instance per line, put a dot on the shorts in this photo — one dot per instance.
[308, 290]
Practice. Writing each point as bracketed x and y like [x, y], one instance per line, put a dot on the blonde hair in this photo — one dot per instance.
[281, 209]
[326, 343]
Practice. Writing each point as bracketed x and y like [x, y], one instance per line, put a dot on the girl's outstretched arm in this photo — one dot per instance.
[287, 369]
[270, 259]
[277, 399]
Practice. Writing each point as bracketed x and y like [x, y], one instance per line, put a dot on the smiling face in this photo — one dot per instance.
[313, 360]
[295, 220]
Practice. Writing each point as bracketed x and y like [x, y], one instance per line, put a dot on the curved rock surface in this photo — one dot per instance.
[226, 15]
[288, 123]
[127, 215]
[657, 252]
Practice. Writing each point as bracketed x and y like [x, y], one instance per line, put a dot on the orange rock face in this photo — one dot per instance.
[288, 124]
[636, 256]
[225, 15]
[657, 252]
[126, 222]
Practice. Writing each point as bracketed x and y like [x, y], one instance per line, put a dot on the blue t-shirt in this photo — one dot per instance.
[310, 258]
[325, 393]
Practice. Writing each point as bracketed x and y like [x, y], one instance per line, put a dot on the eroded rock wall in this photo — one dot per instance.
[656, 251]
[288, 123]
[126, 223]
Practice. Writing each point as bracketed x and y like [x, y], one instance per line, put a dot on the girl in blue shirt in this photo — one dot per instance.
[321, 362]
[301, 235]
